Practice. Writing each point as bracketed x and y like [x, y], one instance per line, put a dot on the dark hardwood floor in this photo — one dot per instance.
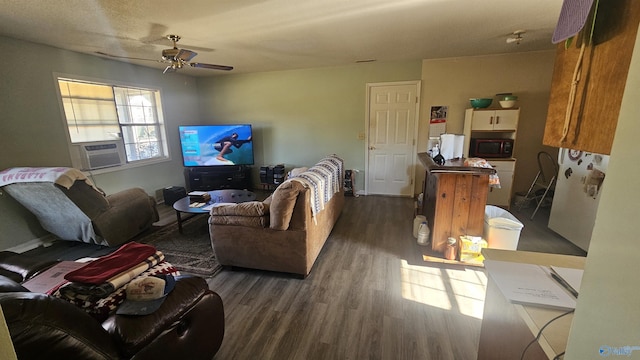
[369, 295]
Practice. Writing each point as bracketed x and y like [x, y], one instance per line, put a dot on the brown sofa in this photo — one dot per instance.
[281, 233]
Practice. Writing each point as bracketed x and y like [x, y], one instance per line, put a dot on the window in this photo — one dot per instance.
[102, 112]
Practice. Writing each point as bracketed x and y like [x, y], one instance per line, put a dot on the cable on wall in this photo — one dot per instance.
[540, 333]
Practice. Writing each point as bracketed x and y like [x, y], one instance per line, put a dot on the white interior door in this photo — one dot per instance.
[392, 119]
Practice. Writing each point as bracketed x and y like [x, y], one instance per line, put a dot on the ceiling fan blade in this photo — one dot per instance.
[211, 66]
[185, 55]
[169, 69]
[124, 57]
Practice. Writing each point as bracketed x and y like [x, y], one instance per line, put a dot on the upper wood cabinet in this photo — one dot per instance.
[598, 94]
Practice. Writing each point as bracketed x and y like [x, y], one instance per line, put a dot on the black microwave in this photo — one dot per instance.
[491, 148]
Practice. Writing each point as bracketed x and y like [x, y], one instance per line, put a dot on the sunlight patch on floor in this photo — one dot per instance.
[469, 286]
[424, 285]
[460, 290]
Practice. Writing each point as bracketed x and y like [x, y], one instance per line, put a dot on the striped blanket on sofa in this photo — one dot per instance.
[323, 180]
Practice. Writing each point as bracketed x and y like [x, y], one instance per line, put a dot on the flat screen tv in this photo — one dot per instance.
[216, 145]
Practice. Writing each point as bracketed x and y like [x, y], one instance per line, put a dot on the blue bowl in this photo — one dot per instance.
[480, 103]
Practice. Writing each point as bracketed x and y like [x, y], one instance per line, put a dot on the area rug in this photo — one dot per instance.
[189, 251]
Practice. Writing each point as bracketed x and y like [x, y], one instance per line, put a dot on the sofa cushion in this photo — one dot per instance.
[251, 221]
[250, 208]
[90, 201]
[8, 284]
[282, 204]
[132, 333]
[43, 327]
[21, 268]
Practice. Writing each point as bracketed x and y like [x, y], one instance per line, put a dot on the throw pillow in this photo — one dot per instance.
[282, 204]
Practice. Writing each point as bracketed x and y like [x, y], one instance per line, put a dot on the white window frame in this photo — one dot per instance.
[74, 148]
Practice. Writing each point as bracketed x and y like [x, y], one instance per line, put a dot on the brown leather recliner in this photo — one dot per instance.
[188, 325]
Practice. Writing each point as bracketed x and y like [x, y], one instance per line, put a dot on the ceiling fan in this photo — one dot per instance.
[176, 58]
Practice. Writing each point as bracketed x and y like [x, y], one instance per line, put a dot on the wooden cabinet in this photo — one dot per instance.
[217, 178]
[598, 93]
[493, 120]
[505, 170]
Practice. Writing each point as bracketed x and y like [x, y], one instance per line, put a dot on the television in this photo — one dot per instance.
[216, 145]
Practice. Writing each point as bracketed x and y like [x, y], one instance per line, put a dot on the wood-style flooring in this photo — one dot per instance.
[369, 295]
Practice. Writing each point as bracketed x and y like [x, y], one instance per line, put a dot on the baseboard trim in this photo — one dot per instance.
[32, 244]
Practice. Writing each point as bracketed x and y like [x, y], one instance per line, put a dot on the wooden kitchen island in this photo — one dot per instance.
[454, 199]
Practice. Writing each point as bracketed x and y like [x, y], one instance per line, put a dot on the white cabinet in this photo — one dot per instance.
[489, 124]
[494, 120]
[505, 170]
[494, 124]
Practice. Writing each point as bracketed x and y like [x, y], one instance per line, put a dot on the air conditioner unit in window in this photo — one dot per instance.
[100, 155]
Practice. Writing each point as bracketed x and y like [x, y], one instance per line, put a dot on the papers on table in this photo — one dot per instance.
[210, 206]
[530, 284]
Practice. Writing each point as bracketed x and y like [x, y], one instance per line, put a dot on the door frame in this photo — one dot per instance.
[369, 86]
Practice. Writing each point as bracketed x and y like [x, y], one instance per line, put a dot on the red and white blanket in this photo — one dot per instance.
[63, 176]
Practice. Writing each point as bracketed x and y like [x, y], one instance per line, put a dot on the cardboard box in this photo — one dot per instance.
[471, 248]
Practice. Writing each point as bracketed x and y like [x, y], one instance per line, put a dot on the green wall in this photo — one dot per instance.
[300, 116]
[33, 130]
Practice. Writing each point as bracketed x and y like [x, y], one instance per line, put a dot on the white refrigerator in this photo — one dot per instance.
[577, 194]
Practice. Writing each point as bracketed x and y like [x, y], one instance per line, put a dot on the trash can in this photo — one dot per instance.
[501, 228]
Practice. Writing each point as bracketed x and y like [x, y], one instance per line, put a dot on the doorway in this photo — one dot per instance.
[392, 128]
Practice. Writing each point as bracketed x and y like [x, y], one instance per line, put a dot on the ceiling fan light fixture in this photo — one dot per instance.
[516, 37]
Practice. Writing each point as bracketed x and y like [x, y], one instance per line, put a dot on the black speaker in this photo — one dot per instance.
[172, 194]
[278, 174]
[263, 174]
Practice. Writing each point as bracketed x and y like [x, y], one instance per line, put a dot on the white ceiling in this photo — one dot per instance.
[267, 35]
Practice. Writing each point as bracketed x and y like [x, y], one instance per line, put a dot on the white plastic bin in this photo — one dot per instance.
[501, 228]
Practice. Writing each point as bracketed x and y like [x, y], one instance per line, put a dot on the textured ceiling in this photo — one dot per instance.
[267, 35]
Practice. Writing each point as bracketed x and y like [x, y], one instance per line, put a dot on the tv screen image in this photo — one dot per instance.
[216, 145]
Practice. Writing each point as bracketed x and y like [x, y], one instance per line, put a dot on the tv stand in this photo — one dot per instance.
[218, 178]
